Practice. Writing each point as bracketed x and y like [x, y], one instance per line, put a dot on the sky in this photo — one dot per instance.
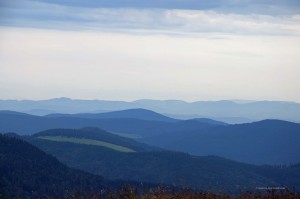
[139, 49]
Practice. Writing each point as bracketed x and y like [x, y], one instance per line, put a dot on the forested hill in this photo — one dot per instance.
[27, 171]
[166, 167]
[271, 142]
[24, 124]
[92, 135]
[141, 114]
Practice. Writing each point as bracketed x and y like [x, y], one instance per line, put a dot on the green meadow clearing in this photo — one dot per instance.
[87, 142]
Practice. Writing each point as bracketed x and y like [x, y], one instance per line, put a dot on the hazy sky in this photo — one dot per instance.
[167, 49]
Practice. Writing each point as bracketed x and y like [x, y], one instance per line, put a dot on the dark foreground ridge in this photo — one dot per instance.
[27, 172]
[167, 167]
[162, 193]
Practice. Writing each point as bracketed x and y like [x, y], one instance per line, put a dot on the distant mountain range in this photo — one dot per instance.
[235, 111]
[132, 124]
[158, 166]
[273, 142]
[131, 113]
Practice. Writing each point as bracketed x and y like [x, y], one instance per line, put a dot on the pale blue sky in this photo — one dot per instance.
[168, 49]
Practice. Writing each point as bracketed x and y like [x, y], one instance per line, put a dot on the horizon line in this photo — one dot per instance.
[237, 101]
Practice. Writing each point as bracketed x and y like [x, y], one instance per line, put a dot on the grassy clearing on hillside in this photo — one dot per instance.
[87, 142]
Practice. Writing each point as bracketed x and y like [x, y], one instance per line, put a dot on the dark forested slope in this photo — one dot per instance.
[27, 171]
[179, 169]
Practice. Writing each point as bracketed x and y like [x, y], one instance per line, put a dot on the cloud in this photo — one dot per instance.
[230, 6]
[40, 63]
[124, 51]
[176, 21]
